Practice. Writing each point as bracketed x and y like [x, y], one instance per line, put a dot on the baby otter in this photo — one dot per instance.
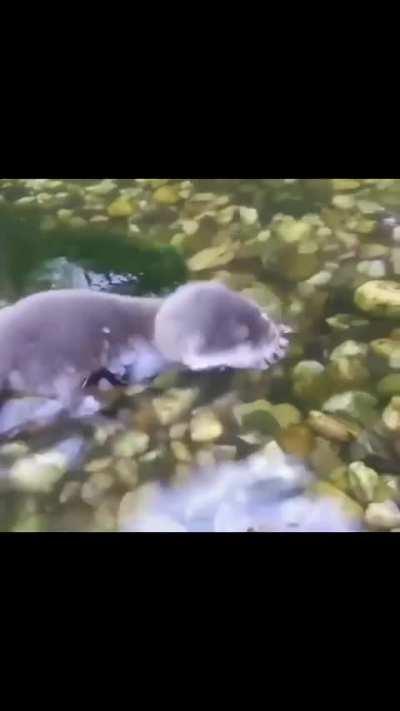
[54, 342]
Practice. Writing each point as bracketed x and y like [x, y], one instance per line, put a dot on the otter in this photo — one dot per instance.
[54, 343]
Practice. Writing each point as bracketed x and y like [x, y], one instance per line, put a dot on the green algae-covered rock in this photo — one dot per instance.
[344, 202]
[349, 349]
[257, 416]
[26, 247]
[205, 426]
[357, 405]
[286, 414]
[345, 322]
[363, 482]
[309, 381]
[388, 349]
[379, 298]
[391, 415]
[297, 440]
[167, 195]
[344, 184]
[122, 207]
[291, 231]
[389, 385]
[174, 404]
[130, 444]
[345, 373]
[212, 257]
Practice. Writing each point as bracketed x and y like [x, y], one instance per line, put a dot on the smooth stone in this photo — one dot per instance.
[205, 427]
[352, 403]
[391, 415]
[387, 348]
[174, 404]
[349, 349]
[39, 473]
[130, 444]
[380, 298]
[383, 516]
[329, 427]
[257, 416]
[212, 257]
[389, 385]
[363, 482]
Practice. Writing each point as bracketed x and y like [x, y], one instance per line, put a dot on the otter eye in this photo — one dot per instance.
[242, 332]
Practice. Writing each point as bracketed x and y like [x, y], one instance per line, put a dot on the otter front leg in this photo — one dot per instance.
[94, 379]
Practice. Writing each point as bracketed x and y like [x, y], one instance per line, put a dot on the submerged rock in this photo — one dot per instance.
[169, 408]
[329, 427]
[297, 440]
[383, 516]
[122, 207]
[380, 298]
[349, 349]
[389, 385]
[205, 427]
[40, 472]
[309, 381]
[363, 482]
[388, 349]
[257, 416]
[355, 404]
[130, 444]
[391, 415]
[212, 257]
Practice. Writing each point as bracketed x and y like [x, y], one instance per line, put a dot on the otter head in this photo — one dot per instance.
[206, 325]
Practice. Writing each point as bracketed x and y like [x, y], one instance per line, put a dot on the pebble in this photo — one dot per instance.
[383, 516]
[380, 298]
[174, 404]
[130, 444]
[363, 482]
[205, 427]
[329, 427]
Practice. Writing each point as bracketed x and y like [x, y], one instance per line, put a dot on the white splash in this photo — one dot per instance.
[266, 492]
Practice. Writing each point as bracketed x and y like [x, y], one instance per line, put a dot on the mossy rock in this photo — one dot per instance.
[357, 405]
[257, 416]
[379, 298]
[26, 248]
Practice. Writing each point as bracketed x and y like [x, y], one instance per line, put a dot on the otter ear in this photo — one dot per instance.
[191, 351]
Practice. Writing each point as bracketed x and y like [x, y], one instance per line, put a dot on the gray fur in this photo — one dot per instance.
[51, 341]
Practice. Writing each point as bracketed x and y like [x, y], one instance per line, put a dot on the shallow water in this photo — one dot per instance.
[303, 249]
